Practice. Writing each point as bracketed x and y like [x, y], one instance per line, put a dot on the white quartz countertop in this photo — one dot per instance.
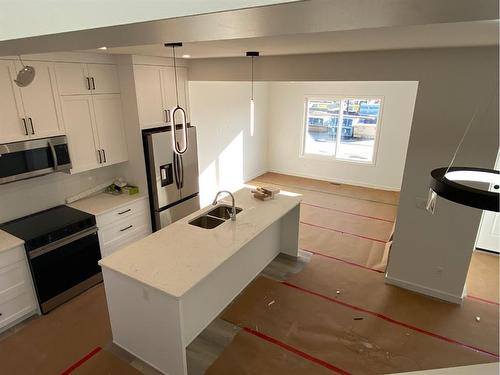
[8, 241]
[104, 202]
[176, 258]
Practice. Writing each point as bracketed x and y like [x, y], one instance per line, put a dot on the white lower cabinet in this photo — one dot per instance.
[123, 225]
[17, 297]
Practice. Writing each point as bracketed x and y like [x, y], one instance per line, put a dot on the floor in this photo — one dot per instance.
[329, 310]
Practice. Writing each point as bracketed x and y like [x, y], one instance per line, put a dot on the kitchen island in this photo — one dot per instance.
[163, 290]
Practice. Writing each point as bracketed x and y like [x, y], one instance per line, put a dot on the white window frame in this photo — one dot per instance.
[305, 155]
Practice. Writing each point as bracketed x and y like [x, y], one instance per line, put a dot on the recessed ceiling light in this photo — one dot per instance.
[186, 56]
[104, 48]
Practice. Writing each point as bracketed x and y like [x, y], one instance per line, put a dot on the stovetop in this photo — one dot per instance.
[47, 226]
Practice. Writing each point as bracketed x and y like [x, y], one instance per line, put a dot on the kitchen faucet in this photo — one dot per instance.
[233, 210]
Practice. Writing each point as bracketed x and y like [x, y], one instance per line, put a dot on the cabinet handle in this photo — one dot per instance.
[104, 155]
[126, 228]
[124, 212]
[167, 115]
[100, 157]
[25, 127]
[93, 83]
[31, 124]
[88, 83]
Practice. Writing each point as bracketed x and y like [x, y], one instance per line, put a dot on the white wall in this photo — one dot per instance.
[228, 153]
[25, 197]
[286, 126]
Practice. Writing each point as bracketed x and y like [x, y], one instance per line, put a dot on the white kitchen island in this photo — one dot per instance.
[163, 290]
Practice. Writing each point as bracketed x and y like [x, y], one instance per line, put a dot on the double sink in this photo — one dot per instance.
[214, 217]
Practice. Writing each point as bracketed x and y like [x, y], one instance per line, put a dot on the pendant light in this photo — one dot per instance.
[472, 187]
[252, 54]
[25, 76]
[175, 144]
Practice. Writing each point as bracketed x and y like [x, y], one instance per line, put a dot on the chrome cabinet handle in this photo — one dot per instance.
[31, 124]
[93, 83]
[100, 157]
[88, 83]
[104, 155]
[126, 228]
[124, 212]
[25, 127]
[175, 145]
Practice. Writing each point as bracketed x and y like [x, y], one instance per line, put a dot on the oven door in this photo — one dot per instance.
[66, 268]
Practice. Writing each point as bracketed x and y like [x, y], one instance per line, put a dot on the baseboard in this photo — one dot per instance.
[424, 290]
[335, 180]
[254, 175]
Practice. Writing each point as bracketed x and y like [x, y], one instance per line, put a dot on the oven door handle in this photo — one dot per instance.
[63, 241]
[54, 155]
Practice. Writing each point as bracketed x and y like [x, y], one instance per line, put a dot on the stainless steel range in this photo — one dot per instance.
[63, 251]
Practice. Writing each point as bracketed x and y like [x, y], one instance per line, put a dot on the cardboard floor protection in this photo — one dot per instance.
[105, 363]
[343, 246]
[366, 289]
[383, 196]
[346, 338]
[250, 355]
[483, 276]
[51, 343]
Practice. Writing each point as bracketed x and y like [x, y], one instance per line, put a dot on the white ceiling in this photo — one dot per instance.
[405, 37]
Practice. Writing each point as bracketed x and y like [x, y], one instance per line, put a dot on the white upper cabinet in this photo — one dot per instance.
[149, 95]
[11, 109]
[41, 102]
[104, 78]
[82, 79]
[78, 114]
[156, 94]
[109, 123]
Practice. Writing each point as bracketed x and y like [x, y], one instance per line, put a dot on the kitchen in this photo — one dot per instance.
[100, 197]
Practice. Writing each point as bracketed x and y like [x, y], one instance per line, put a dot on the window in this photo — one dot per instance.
[342, 128]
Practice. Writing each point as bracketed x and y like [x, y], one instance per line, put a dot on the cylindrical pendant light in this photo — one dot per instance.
[252, 54]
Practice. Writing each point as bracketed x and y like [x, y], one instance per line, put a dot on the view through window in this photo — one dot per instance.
[344, 128]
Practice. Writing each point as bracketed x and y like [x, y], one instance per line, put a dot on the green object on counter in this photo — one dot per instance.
[130, 190]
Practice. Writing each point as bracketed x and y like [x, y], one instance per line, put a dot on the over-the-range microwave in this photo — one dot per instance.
[26, 159]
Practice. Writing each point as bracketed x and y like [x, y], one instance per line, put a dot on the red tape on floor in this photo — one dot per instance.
[342, 260]
[390, 320]
[483, 300]
[340, 231]
[77, 364]
[300, 353]
[347, 212]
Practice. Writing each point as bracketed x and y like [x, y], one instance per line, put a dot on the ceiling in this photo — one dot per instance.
[476, 33]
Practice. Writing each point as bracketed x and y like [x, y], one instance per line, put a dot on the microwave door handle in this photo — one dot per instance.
[54, 154]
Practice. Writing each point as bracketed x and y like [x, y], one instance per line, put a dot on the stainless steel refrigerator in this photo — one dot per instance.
[172, 178]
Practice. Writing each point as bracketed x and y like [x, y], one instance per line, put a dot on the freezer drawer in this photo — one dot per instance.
[177, 212]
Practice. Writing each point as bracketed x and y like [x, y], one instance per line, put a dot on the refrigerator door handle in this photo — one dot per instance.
[181, 169]
[176, 170]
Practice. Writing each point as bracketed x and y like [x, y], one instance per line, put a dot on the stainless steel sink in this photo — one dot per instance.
[223, 211]
[207, 222]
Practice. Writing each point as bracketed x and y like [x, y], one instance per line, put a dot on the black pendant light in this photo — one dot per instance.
[252, 54]
[472, 187]
[175, 144]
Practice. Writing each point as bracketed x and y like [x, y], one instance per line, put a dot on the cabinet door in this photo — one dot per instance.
[72, 78]
[11, 109]
[169, 90]
[149, 93]
[78, 114]
[104, 78]
[41, 101]
[109, 122]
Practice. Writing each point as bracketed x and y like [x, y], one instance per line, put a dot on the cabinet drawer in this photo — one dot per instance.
[12, 256]
[133, 236]
[14, 276]
[16, 307]
[122, 213]
[123, 227]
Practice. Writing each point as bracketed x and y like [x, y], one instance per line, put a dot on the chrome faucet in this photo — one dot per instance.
[233, 210]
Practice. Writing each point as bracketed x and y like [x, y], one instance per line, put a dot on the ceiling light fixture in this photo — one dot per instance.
[252, 54]
[472, 187]
[186, 56]
[26, 75]
[175, 145]
[104, 48]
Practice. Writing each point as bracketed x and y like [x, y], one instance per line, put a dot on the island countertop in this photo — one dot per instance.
[179, 256]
